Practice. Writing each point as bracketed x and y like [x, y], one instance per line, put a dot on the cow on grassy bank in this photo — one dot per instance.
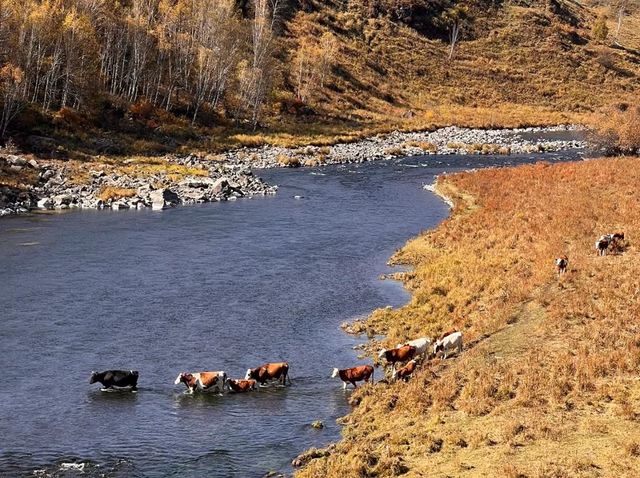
[405, 372]
[353, 375]
[562, 263]
[422, 345]
[450, 342]
[400, 354]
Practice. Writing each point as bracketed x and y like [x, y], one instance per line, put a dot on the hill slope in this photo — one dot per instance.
[334, 70]
[547, 384]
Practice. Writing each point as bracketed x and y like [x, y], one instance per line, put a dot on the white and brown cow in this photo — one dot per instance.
[562, 263]
[603, 243]
[400, 354]
[240, 386]
[405, 372]
[203, 381]
[422, 345]
[450, 342]
[353, 375]
[269, 371]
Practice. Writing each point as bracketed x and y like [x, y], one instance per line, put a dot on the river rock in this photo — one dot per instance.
[163, 198]
[45, 203]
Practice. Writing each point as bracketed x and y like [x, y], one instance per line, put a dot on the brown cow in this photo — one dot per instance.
[241, 385]
[214, 381]
[269, 371]
[400, 354]
[353, 375]
[405, 372]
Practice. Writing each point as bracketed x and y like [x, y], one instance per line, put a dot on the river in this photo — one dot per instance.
[223, 286]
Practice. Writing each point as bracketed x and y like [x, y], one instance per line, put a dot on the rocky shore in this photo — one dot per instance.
[54, 187]
[228, 176]
[450, 140]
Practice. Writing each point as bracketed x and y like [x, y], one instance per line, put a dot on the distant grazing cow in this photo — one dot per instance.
[269, 371]
[450, 342]
[115, 379]
[617, 239]
[603, 243]
[400, 354]
[204, 381]
[353, 375]
[405, 372]
[241, 385]
[561, 264]
[447, 333]
[422, 345]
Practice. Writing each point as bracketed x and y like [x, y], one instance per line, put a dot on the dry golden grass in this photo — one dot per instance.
[547, 384]
[110, 193]
[288, 161]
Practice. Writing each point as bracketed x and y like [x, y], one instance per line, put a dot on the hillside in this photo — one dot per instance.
[84, 78]
[547, 383]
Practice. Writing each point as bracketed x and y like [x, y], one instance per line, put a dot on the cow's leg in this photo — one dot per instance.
[344, 385]
[354, 384]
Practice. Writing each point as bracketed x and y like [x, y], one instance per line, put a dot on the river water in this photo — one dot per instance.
[223, 286]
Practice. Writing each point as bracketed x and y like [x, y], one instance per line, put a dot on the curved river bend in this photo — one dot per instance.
[222, 286]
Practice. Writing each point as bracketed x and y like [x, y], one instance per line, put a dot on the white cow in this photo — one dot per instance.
[422, 345]
[451, 341]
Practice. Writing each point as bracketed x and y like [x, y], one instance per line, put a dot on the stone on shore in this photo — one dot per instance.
[163, 198]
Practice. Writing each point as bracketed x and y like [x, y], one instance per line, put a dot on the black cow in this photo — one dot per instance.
[116, 379]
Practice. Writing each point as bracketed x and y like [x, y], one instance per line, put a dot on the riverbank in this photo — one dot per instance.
[28, 183]
[547, 383]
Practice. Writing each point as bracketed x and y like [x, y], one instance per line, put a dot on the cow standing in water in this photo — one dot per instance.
[562, 263]
[269, 371]
[116, 379]
[241, 386]
[353, 375]
[204, 381]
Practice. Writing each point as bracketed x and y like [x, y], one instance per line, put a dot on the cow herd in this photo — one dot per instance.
[409, 353]
[200, 381]
[613, 242]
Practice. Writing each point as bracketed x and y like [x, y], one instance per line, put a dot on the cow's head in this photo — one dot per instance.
[94, 377]
[251, 373]
[437, 347]
[381, 353]
[183, 377]
[335, 373]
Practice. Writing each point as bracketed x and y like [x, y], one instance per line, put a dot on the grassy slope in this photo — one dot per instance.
[521, 66]
[547, 384]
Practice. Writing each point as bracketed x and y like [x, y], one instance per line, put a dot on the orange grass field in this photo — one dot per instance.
[548, 383]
